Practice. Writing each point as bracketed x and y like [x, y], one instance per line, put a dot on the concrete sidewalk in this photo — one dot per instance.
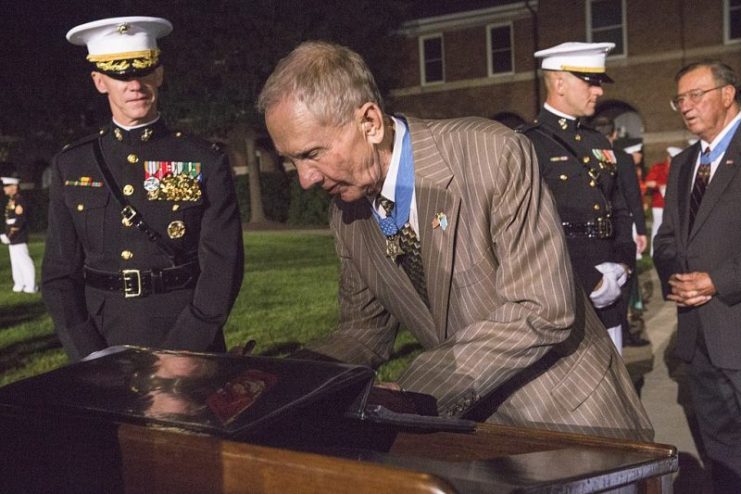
[664, 392]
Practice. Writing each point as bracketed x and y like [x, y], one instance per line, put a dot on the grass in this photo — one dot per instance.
[288, 297]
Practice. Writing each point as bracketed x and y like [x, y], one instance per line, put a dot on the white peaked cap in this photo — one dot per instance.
[10, 180]
[122, 46]
[120, 35]
[576, 57]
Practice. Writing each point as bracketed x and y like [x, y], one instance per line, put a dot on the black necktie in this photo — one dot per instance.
[698, 188]
[411, 261]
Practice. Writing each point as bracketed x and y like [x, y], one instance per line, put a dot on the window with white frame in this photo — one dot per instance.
[606, 23]
[499, 44]
[732, 18]
[432, 66]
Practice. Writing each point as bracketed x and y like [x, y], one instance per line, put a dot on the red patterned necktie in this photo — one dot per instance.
[702, 177]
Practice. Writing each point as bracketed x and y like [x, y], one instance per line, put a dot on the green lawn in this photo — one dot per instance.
[288, 297]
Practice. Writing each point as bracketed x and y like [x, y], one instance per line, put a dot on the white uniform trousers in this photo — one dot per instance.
[24, 273]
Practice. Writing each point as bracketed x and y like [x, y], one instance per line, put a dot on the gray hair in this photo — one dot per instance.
[722, 74]
[332, 81]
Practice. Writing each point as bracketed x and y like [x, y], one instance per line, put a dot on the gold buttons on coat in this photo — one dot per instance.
[577, 137]
[132, 158]
[126, 255]
[563, 177]
[80, 207]
[592, 183]
[175, 207]
[585, 159]
[176, 229]
[178, 134]
[128, 189]
[119, 135]
[596, 207]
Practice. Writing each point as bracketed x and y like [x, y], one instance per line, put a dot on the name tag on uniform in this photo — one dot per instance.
[559, 158]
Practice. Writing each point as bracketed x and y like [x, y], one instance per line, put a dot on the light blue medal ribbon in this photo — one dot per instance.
[721, 147]
[392, 223]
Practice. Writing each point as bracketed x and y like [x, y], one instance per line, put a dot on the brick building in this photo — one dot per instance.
[470, 57]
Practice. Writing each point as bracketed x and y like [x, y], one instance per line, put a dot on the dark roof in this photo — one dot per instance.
[433, 8]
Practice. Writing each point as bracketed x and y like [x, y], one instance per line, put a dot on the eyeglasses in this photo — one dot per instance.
[694, 96]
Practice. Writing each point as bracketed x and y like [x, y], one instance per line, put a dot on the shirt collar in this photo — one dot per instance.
[389, 184]
[557, 112]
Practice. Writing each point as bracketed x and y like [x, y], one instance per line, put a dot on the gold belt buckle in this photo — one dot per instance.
[132, 283]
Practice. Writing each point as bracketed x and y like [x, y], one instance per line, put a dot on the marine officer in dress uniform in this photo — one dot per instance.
[579, 166]
[15, 236]
[144, 244]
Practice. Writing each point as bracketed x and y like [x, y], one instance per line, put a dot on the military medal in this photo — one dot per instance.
[172, 180]
[176, 229]
[151, 184]
[393, 248]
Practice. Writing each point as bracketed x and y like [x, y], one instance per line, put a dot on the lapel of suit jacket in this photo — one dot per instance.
[723, 176]
[437, 192]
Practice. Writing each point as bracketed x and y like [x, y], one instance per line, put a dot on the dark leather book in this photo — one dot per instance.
[226, 395]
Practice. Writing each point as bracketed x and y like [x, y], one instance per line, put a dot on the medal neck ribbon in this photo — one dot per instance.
[399, 215]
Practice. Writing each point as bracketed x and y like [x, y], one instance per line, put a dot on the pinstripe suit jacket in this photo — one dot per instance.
[507, 338]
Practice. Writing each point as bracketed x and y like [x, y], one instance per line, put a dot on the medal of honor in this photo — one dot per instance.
[393, 247]
[176, 229]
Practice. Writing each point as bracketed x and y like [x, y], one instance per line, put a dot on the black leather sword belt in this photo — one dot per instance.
[600, 228]
[143, 282]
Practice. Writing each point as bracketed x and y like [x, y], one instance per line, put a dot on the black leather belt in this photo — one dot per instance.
[600, 228]
[143, 282]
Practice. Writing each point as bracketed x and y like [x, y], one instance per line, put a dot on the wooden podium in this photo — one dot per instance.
[57, 436]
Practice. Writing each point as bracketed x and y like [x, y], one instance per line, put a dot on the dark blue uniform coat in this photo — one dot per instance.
[85, 229]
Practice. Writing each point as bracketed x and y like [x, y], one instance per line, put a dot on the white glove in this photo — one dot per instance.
[614, 276]
[4, 239]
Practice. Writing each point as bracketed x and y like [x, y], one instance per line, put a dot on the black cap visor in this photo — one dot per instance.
[593, 78]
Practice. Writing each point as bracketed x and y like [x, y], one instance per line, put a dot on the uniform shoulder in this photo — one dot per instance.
[527, 127]
[199, 143]
[82, 141]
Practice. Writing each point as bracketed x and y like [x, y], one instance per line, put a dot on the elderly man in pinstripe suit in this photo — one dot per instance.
[445, 228]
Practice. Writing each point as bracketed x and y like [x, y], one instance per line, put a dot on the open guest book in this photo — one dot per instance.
[220, 394]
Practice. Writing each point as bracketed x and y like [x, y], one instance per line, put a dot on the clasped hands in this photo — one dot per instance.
[691, 289]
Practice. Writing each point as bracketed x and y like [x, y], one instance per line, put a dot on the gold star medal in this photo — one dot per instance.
[393, 247]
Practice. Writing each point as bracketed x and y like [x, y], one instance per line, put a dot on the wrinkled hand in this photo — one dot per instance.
[691, 289]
